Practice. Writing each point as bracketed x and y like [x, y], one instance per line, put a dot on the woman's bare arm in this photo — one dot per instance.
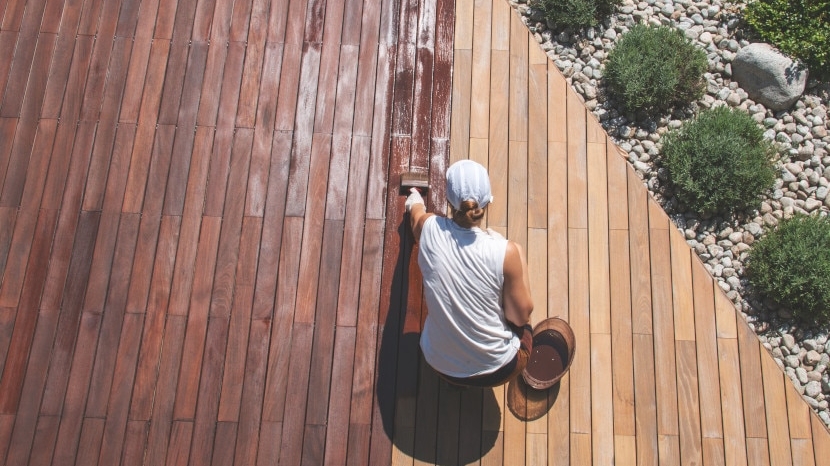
[518, 305]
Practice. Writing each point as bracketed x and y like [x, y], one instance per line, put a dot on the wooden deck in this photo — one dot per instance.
[205, 259]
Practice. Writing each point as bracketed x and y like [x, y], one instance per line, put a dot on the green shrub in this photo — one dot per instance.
[576, 14]
[791, 267]
[719, 161]
[799, 28]
[655, 69]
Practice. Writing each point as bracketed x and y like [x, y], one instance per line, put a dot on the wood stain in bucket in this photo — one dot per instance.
[547, 360]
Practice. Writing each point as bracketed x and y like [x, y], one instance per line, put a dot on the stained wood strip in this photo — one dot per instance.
[186, 390]
[44, 442]
[155, 318]
[297, 383]
[378, 162]
[35, 178]
[339, 398]
[159, 435]
[27, 77]
[240, 21]
[89, 447]
[249, 439]
[69, 50]
[31, 393]
[205, 429]
[253, 73]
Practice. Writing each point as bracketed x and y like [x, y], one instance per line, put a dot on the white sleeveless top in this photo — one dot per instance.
[465, 332]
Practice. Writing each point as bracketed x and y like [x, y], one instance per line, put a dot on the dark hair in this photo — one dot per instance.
[468, 214]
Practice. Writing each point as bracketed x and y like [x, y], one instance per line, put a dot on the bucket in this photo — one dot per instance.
[554, 346]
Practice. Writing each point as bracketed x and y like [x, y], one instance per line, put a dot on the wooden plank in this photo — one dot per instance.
[734, 437]
[194, 342]
[240, 21]
[497, 137]
[602, 399]
[645, 407]
[89, 447]
[595, 133]
[537, 177]
[757, 450]
[625, 449]
[119, 398]
[71, 418]
[775, 401]
[250, 415]
[580, 448]
[339, 399]
[178, 454]
[711, 423]
[130, 103]
[159, 435]
[725, 316]
[27, 191]
[803, 452]
[27, 77]
[115, 305]
[481, 65]
[297, 383]
[250, 92]
[798, 415]
[44, 442]
[598, 262]
[537, 264]
[622, 357]
[713, 454]
[449, 420]
[281, 329]
[557, 230]
[74, 51]
[8, 41]
[668, 449]
[688, 403]
[31, 394]
[681, 282]
[577, 164]
[579, 299]
[821, 437]
[155, 317]
[135, 442]
[517, 193]
[641, 305]
[751, 381]
[205, 427]
[617, 188]
[664, 344]
[460, 113]
[18, 258]
[518, 105]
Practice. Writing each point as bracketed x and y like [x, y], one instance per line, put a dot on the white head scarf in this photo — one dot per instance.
[468, 181]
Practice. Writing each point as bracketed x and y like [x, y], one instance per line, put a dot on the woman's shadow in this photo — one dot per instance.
[424, 416]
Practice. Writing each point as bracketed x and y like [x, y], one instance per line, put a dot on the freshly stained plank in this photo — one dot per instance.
[205, 429]
[338, 413]
[297, 381]
[249, 436]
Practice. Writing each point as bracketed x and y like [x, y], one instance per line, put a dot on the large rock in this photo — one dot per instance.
[768, 76]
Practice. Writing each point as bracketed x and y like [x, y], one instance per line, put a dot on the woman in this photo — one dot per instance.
[477, 330]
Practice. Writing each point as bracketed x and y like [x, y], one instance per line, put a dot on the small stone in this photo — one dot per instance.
[801, 375]
[812, 358]
[788, 341]
[812, 389]
[792, 361]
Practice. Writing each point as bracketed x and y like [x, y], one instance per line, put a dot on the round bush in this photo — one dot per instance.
[655, 69]
[791, 267]
[799, 28]
[575, 14]
[719, 161]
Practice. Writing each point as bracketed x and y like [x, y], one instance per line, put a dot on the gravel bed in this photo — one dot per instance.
[801, 133]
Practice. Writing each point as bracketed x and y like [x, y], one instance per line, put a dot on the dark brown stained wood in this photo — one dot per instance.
[352, 253]
[269, 451]
[71, 418]
[24, 427]
[140, 277]
[127, 18]
[67, 161]
[21, 244]
[52, 17]
[223, 452]
[134, 82]
[8, 127]
[183, 25]
[212, 84]
[70, 314]
[296, 393]
[8, 40]
[226, 262]
[173, 82]
[26, 321]
[222, 143]
[289, 86]
[178, 453]
[204, 426]
[271, 242]
[113, 317]
[165, 19]
[320, 371]
[94, 88]
[134, 443]
[158, 437]
[282, 324]
[256, 35]
[44, 442]
[27, 77]
[89, 17]
[340, 396]
[313, 444]
[197, 320]
[119, 397]
[185, 134]
[154, 320]
[250, 433]
[108, 109]
[145, 190]
[35, 178]
[102, 261]
[105, 136]
[7, 315]
[89, 446]
[69, 50]
[309, 275]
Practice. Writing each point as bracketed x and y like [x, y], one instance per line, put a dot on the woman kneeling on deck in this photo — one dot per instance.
[477, 330]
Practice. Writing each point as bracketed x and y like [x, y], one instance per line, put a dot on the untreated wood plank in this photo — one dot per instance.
[641, 304]
[622, 356]
[646, 402]
[577, 164]
[688, 403]
[734, 437]
[681, 282]
[579, 320]
[711, 423]
[602, 399]
[775, 401]
[749, 349]
[598, 262]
